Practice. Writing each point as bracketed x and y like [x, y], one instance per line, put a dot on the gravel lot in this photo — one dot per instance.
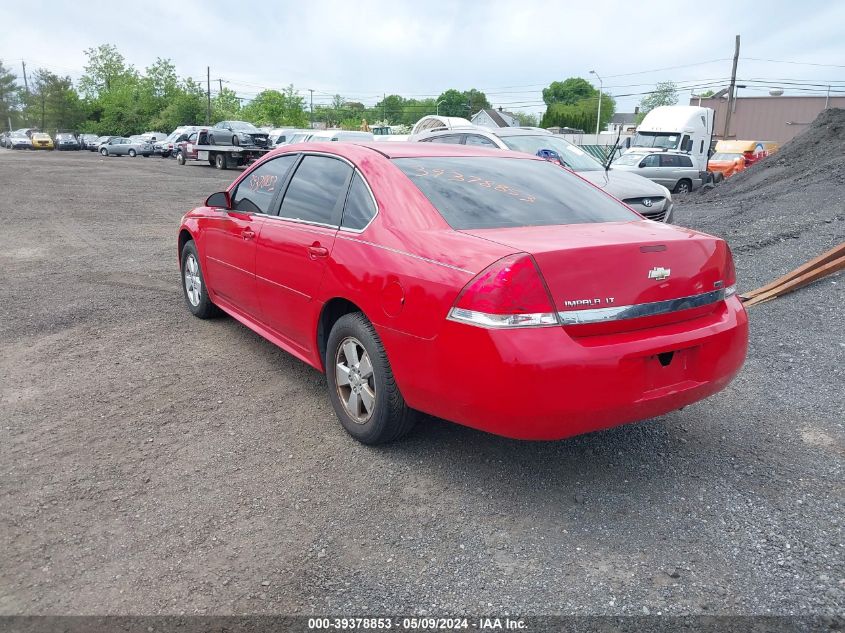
[154, 463]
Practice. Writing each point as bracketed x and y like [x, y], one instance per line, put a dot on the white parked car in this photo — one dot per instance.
[647, 198]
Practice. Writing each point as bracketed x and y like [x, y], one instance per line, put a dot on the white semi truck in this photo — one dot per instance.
[685, 129]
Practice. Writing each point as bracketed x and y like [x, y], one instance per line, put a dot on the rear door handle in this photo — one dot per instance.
[248, 234]
[317, 251]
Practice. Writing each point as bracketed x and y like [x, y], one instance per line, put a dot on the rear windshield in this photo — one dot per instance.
[487, 192]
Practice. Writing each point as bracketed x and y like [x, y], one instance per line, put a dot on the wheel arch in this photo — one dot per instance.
[332, 310]
[184, 237]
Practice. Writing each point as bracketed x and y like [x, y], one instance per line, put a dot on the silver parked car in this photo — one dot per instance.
[673, 170]
[644, 196]
[120, 146]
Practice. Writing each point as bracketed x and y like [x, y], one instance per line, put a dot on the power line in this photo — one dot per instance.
[783, 61]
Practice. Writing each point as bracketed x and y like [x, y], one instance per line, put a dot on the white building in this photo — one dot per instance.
[495, 118]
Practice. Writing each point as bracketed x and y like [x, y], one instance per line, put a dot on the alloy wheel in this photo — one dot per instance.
[355, 380]
[193, 283]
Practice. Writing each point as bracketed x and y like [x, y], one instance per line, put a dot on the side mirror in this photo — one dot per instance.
[551, 156]
[219, 200]
[628, 143]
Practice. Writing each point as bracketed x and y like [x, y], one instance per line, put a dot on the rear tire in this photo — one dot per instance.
[683, 186]
[193, 284]
[220, 161]
[361, 385]
[132, 153]
[211, 139]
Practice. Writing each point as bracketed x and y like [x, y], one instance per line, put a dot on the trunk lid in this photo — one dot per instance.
[615, 264]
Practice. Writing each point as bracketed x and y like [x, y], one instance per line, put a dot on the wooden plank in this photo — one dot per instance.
[799, 282]
[835, 253]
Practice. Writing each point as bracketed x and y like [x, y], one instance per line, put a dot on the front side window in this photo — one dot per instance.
[487, 192]
[254, 194]
[315, 189]
[651, 160]
[359, 208]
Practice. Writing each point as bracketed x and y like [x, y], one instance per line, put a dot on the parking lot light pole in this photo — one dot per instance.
[437, 108]
[598, 116]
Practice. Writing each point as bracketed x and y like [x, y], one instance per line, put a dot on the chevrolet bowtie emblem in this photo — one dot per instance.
[659, 273]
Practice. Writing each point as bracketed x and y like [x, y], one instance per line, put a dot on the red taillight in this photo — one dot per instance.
[508, 293]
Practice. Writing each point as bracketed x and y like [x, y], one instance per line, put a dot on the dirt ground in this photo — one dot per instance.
[153, 463]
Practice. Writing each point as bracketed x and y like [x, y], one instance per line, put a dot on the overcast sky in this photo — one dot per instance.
[510, 49]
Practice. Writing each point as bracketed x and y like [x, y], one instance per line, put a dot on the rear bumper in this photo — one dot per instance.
[542, 384]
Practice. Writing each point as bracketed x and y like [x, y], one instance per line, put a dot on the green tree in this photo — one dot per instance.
[389, 109]
[568, 92]
[105, 67]
[664, 94]
[580, 115]
[463, 104]
[53, 104]
[574, 103]
[528, 119]
[275, 108]
[187, 107]
[706, 94]
[9, 97]
[225, 106]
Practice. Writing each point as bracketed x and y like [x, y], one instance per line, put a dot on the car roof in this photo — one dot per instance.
[357, 149]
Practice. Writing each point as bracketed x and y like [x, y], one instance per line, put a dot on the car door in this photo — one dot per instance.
[293, 247]
[670, 170]
[650, 167]
[230, 238]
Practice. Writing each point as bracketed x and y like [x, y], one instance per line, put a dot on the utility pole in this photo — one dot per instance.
[731, 91]
[208, 94]
[384, 107]
[598, 114]
[221, 84]
[25, 84]
[311, 117]
[827, 98]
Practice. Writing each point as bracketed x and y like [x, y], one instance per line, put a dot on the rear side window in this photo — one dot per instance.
[669, 161]
[452, 139]
[685, 161]
[477, 139]
[315, 190]
[254, 194]
[489, 192]
[359, 208]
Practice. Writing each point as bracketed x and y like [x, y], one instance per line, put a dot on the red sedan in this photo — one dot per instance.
[486, 287]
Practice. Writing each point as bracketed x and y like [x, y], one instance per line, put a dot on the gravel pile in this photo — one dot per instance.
[782, 211]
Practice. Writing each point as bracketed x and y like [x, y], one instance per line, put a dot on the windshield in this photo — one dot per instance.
[574, 157]
[243, 126]
[669, 140]
[484, 192]
[725, 156]
[629, 159]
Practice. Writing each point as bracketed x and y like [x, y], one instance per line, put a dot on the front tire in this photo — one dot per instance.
[361, 385]
[180, 158]
[193, 284]
[220, 161]
[104, 152]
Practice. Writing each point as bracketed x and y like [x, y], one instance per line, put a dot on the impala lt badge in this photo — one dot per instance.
[659, 273]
